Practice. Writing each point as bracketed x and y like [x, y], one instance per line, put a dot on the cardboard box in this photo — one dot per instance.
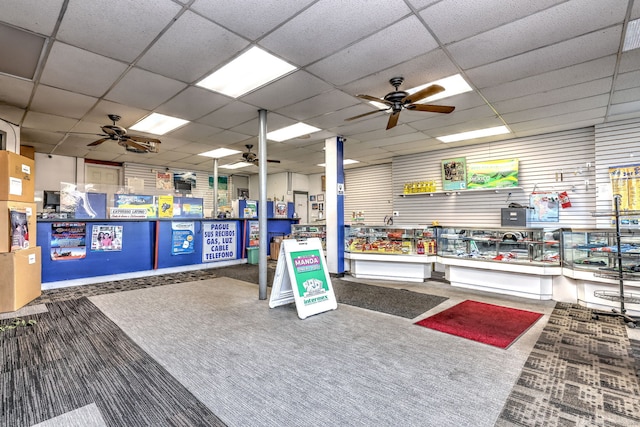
[5, 223]
[21, 278]
[28, 151]
[17, 177]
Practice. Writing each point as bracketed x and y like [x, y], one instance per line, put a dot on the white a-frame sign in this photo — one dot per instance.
[302, 277]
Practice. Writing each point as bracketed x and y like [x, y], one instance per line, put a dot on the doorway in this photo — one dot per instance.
[301, 206]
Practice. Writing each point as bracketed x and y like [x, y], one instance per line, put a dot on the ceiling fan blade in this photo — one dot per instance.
[393, 119]
[135, 145]
[363, 115]
[431, 108]
[422, 94]
[142, 139]
[98, 142]
[273, 161]
[374, 99]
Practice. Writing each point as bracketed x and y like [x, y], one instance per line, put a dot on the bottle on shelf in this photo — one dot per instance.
[420, 248]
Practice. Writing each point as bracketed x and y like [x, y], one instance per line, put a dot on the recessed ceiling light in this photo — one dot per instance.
[158, 124]
[252, 69]
[237, 165]
[453, 85]
[344, 162]
[632, 36]
[291, 132]
[218, 153]
[498, 130]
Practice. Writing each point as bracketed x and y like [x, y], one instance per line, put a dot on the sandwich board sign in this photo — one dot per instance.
[302, 277]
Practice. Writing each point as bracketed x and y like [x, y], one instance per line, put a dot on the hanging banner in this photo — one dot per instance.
[219, 241]
[492, 174]
[545, 207]
[165, 206]
[454, 174]
[106, 238]
[68, 240]
[182, 238]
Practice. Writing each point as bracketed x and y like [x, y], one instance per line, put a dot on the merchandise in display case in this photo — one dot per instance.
[306, 231]
[390, 240]
[517, 246]
[597, 251]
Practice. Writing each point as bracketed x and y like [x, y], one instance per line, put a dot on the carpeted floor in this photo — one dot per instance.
[581, 372]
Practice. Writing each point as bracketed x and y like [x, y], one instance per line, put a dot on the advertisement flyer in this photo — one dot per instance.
[136, 201]
[68, 240]
[546, 207]
[165, 206]
[164, 180]
[309, 276]
[454, 174]
[251, 209]
[492, 174]
[625, 181]
[19, 232]
[182, 238]
[219, 241]
[106, 238]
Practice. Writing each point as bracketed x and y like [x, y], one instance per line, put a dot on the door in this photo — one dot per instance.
[301, 205]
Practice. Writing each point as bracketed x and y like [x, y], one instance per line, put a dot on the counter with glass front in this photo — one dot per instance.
[522, 262]
[390, 252]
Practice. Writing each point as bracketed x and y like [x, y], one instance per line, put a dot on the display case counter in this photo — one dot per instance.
[306, 231]
[521, 262]
[390, 252]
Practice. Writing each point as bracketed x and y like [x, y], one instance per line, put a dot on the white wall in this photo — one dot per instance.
[51, 170]
[11, 137]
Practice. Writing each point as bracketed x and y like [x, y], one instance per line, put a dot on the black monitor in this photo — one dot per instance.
[51, 200]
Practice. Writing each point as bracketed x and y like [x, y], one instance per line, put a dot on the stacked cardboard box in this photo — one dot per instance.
[20, 258]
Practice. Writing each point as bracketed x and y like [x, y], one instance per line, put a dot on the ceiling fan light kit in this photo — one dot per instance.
[398, 100]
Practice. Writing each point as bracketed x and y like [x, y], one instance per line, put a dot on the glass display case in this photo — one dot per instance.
[306, 231]
[521, 246]
[390, 240]
[597, 251]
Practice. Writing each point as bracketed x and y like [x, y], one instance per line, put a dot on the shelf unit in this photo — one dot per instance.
[459, 192]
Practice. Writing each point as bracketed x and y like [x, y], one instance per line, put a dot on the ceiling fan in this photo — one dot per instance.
[398, 100]
[133, 143]
[251, 157]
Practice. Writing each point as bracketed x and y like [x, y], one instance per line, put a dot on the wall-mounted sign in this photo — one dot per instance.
[219, 241]
[454, 174]
[492, 174]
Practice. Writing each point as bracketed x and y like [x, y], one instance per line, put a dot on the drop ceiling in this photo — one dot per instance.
[534, 66]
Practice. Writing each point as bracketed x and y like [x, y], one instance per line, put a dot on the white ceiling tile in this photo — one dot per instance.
[286, 91]
[193, 103]
[34, 15]
[227, 137]
[630, 61]
[192, 47]
[431, 121]
[194, 132]
[34, 136]
[555, 79]
[171, 155]
[625, 108]
[48, 122]
[583, 104]
[628, 80]
[129, 115]
[61, 102]
[102, 156]
[627, 95]
[561, 122]
[337, 118]
[580, 49]
[15, 91]
[11, 113]
[80, 71]
[274, 122]
[330, 25]
[144, 89]
[379, 51]
[121, 30]
[319, 105]
[230, 115]
[563, 22]
[453, 20]
[262, 18]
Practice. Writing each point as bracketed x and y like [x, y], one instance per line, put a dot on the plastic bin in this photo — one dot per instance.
[253, 255]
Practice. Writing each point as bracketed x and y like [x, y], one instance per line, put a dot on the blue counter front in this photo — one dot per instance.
[144, 245]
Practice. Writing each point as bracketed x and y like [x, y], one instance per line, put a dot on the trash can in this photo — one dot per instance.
[253, 255]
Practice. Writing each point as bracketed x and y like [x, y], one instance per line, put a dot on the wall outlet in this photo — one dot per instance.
[396, 213]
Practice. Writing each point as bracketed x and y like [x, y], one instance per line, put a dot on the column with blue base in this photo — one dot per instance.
[334, 204]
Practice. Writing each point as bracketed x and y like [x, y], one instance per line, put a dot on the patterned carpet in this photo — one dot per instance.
[581, 372]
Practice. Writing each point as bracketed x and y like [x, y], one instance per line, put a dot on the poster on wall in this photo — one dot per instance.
[165, 206]
[492, 174]
[546, 207]
[219, 241]
[254, 233]
[250, 209]
[19, 231]
[279, 209]
[106, 238]
[454, 174]
[136, 201]
[68, 240]
[164, 180]
[182, 238]
[625, 181]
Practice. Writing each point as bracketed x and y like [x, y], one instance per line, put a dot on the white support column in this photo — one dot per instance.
[334, 204]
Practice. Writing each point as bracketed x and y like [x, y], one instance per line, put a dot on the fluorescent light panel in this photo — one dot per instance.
[344, 162]
[291, 132]
[237, 165]
[158, 124]
[632, 36]
[252, 69]
[480, 133]
[219, 153]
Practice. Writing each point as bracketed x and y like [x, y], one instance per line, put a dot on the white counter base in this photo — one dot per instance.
[409, 268]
